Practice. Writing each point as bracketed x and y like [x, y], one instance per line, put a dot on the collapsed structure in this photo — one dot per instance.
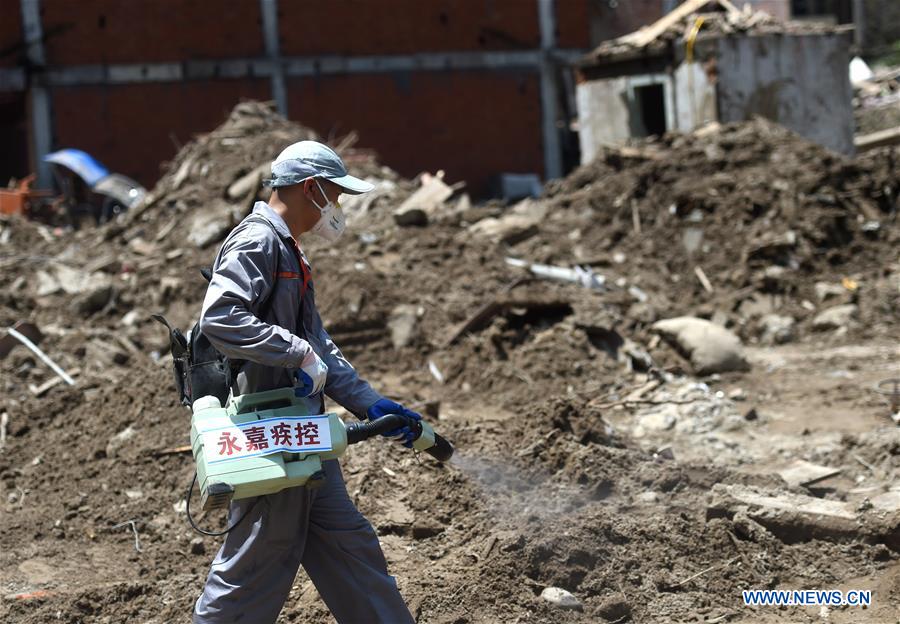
[707, 62]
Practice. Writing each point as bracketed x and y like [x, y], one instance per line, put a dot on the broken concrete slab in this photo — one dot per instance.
[836, 317]
[798, 518]
[424, 202]
[209, 227]
[709, 347]
[776, 329]
[517, 225]
[248, 182]
[403, 324]
[803, 473]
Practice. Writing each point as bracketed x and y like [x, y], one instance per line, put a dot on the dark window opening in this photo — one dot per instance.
[650, 105]
[13, 137]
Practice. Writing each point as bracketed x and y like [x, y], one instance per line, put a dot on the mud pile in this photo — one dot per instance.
[521, 373]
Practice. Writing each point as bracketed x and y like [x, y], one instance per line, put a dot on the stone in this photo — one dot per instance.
[424, 202]
[836, 318]
[403, 323]
[119, 440]
[615, 609]
[826, 291]
[517, 225]
[662, 419]
[802, 473]
[198, 547]
[797, 518]
[96, 296]
[210, 226]
[648, 497]
[410, 216]
[776, 329]
[248, 182]
[561, 598]
[426, 529]
[710, 348]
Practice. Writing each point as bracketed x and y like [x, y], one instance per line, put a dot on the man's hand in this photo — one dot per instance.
[309, 379]
[383, 407]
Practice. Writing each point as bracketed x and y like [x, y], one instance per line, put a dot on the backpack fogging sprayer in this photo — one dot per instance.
[264, 442]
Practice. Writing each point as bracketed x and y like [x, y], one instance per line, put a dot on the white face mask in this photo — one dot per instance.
[331, 223]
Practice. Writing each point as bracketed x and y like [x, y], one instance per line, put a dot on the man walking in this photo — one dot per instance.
[260, 307]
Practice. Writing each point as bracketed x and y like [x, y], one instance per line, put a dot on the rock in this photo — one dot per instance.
[798, 518]
[662, 419]
[561, 598]
[648, 497]
[242, 187]
[46, 284]
[403, 323]
[119, 440]
[737, 394]
[210, 226]
[710, 348]
[826, 291]
[426, 529]
[776, 329]
[96, 297]
[423, 203]
[410, 216]
[198, 547]
[614, 609]
[836, 317]
[519, 224]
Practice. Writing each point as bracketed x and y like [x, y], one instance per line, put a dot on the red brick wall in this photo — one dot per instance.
[573, 23]
[129, 128]
[406, 26]
[609, 22]
[10, 34]
[138, 31]
[471, 124]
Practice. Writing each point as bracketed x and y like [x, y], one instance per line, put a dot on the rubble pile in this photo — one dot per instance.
[545, 339]
[700, 19]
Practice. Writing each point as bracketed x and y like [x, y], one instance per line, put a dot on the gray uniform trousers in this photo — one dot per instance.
[321, 528]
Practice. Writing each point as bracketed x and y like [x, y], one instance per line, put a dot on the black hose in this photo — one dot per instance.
[194, 526]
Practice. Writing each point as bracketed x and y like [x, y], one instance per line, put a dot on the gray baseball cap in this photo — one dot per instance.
[311, 159]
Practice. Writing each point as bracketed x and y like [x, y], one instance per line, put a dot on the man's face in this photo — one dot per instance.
[313, 192]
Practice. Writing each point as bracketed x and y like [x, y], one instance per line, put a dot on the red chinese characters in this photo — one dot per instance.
[256, 438]
[228, 444]
[281, 434]
[307, 433]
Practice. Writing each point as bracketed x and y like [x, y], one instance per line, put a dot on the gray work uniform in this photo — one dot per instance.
[253, 572]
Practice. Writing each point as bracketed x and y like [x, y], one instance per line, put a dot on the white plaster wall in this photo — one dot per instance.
[602, 115]
[800, 81]
[695, 97]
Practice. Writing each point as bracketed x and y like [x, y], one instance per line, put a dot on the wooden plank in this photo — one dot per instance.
[648, 34]
[865, 142]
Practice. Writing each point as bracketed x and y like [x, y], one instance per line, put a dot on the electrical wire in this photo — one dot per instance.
[194, 526]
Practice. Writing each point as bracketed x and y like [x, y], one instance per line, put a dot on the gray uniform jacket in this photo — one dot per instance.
[244, 276]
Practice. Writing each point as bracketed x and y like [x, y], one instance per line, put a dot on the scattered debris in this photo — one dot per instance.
[803, 473]
[561, 598]
[709, 347]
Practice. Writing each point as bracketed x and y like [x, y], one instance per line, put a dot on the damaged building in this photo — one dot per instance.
[707, 61]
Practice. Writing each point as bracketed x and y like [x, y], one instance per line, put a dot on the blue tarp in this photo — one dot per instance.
[81, 163]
